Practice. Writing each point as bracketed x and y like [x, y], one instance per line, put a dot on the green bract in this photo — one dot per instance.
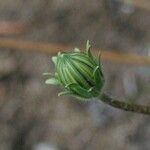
[78, 72]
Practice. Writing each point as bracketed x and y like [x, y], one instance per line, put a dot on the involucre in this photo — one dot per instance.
[79, 73]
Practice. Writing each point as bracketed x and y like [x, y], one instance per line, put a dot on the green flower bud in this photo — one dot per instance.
[79, 73]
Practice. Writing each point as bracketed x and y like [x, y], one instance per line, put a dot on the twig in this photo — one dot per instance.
[124, 105]
[50, 48]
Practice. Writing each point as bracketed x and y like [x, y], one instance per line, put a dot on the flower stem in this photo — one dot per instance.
[125, 105]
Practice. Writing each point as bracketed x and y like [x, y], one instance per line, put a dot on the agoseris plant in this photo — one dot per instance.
[78, 72]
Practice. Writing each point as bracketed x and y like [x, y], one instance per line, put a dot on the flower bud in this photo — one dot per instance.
[79, 73]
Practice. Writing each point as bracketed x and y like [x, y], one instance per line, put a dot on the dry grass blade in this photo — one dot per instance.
[54, 48]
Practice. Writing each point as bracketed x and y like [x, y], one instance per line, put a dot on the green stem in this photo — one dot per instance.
[125, 105]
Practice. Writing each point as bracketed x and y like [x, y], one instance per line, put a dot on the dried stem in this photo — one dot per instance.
[125, 105]
[51, 48]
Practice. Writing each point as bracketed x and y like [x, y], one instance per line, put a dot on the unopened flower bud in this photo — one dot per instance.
[79, 73]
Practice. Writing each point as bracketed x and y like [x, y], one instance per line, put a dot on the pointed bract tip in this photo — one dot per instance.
[76, 50]
[54, 59]
[52, 81]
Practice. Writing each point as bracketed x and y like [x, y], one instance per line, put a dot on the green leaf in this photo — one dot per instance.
[52, 81]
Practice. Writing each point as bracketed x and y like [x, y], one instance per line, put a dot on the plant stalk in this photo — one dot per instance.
[124, 105]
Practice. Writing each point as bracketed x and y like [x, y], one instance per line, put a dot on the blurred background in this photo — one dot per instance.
[32, 116]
